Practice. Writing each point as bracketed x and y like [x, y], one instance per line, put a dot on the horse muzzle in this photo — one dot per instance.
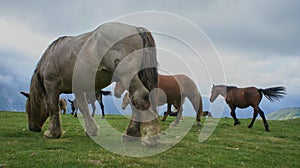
[34, 129]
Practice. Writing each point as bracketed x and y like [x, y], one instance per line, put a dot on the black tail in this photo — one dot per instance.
[148, 75]
[105, 93]
[274, 93]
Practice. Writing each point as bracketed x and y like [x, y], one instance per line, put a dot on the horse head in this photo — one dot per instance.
[214, 94]
[126, 101]
[119, 89]
[35, 120]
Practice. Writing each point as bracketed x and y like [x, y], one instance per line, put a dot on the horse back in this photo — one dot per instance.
[170, 86]
[243, 97]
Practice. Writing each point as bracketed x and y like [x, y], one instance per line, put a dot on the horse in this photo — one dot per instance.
[245, 97]
[176, 89]
[91, 99]
[93, 60]
[63, 105]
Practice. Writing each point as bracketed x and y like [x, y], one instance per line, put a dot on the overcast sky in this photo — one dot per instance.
[258, 40]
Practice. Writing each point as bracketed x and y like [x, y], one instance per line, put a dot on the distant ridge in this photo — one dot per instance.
[285, 114]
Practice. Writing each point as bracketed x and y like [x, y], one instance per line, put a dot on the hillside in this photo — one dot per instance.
[228, 146]
[284, 114]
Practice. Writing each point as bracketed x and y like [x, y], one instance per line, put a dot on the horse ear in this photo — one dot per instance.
[25, 94]
[214, 85]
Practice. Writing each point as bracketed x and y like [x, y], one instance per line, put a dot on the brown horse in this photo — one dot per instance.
[63, 105]
[176, 88]
[91, 98]
[78, 64]
[245, 97]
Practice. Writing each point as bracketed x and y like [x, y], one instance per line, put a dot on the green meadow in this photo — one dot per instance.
[228, 146]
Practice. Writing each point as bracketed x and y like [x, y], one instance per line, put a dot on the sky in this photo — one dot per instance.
[256, 41]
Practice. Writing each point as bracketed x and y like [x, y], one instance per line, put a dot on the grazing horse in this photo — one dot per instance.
[63, 105]
[176, 89]
[245, 97]
[91, 98]
[79, 64]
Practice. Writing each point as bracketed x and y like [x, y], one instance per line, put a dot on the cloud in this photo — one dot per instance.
[6, 79]
[263, 72]
[270, 27]
[258, 40]
[19, 36]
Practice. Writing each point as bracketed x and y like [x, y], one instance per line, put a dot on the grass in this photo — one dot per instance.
[228, 146]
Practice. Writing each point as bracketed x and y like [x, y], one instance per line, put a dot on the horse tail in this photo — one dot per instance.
[196, 101]
[105, 93]
[148, 75]
[274, 93]
[191, 91]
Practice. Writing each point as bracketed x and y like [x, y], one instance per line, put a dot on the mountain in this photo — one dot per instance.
[11, 99]
[284, 114]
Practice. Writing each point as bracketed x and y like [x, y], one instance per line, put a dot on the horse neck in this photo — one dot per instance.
[223, 91]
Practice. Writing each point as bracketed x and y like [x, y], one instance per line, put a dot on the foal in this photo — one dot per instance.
[245, 97]
[63, 105]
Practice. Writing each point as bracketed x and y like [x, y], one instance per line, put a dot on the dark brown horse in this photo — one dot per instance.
[91, 98]
[245, 97]
[93, 60]
[176, 88]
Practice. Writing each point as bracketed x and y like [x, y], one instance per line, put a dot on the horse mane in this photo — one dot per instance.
[37, 99]
[149, 75]
[228, 88]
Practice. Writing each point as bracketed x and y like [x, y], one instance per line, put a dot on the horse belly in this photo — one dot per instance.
[103, 79]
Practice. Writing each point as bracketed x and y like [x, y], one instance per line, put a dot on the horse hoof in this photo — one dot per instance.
[250, 126]
[48, 134]
[174, 124]
[150, 141]
[92, 131]
[237, 123]
[127, 138]
[267, 130]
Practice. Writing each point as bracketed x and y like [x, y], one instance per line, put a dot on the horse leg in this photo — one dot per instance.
[90, 124]
[262, 115]
[75, 112]
[255, 113]
[150, 127]
[102, 109]
[232, 113]
[167, 112]
[179, 114]
[198, 117]
[133, 129]
[94, 109]
[54, 129]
